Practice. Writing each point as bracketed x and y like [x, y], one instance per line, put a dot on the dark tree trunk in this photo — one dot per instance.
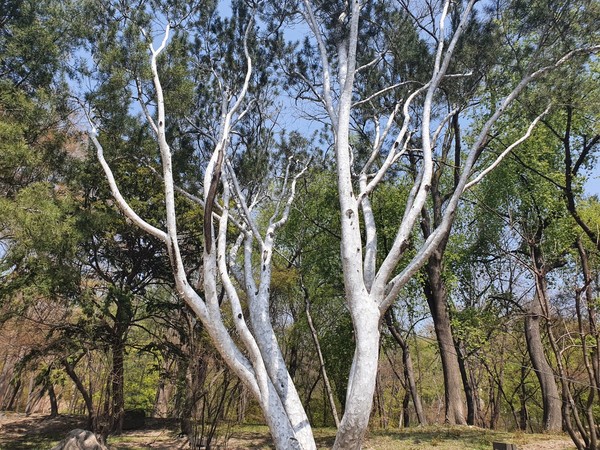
[523, 416]
[10, 406]
[550, 396]
[496, 397]
[588, 354]
[409, 372]
[405, 409]
[117, 382]
[435, 292]
[495, 402]
[435, 288]
[472, 406]
[53, 400]
[293, 360]
[91, 422]
[123, 317]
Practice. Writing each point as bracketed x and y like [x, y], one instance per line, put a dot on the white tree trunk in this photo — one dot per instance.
[263, 370]
[361, 384]
[369, 289]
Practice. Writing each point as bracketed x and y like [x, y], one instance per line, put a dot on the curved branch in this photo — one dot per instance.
[121, 202]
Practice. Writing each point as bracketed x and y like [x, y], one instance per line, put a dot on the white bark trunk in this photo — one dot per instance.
[263, 371]
[369, 290]
[361, 385]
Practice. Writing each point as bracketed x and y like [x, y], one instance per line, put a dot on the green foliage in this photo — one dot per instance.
[336, 343]
[141, 381]
[34, 41]
[41, 222]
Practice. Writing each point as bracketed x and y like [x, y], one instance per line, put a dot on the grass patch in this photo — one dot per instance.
[32, 443]
[38, 433]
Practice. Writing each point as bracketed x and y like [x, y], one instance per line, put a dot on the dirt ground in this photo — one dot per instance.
[551, 444]
[37, 432]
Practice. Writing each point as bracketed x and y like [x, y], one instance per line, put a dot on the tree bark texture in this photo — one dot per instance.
[535, 346]
[435, 292]
[361, 385]
[117, 382]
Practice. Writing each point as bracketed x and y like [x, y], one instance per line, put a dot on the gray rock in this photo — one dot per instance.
[80, 440]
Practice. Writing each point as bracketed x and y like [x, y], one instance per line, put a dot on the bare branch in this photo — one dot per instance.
[314, 26]
[242, 203]
[371, 63]
[236, 307]
[508, 149]
[381, 92]
[394, 152]
[439, 233]
[283, 190]
[215, 165]
[142, 103]
[123, 205]
[442, 124]
[290, 200]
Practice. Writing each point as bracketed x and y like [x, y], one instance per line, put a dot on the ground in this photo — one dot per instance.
[36, 432]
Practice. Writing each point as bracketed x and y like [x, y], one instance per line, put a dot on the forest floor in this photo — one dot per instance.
[37, 432]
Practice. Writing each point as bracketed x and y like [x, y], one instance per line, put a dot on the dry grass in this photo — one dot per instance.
[18, 432]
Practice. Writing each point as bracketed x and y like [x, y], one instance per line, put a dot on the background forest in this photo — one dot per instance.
[496, 328]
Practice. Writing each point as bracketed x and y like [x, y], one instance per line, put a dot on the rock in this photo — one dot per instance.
[504, 446]
[134, 419]
[80, 440]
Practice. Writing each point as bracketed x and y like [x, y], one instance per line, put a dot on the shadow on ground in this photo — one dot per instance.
[36, 432]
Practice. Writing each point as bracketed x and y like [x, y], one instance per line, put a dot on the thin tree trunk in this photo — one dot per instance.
[409, 372]
[53, 400]
[590, 367]
[13, 399]
[117, 381]
[31, 396]
[91, 423]
[523, 415]
[496, 398]
[470, 392]
[380, 402]
[495, 403]
[538, 311]
[315, 338]
[5, 380]
[405, 409]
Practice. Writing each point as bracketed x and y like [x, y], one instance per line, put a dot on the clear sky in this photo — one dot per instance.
[592, 187]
